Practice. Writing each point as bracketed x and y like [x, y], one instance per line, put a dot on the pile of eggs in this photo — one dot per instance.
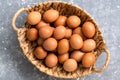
[61, 39]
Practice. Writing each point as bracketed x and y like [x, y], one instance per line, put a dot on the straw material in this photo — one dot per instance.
[66, 9]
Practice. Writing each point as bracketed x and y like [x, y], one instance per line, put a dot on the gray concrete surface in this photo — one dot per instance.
[13, 64]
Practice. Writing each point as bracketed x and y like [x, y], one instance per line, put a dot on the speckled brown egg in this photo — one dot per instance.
[63, 57]
[33, 17]
[41, 24]
[50, 44]
[73, 21]
[40, 53]
[88, 45]
[70, 65]
[77, 55]
[63, 46]
[88, 60]
[59, 32]
[32, 34]
[78, 30]
[68, 33]
[40, 41]
[51, 60]
[76, 41]
[88, 29]
[45, 32]
[61, 21]
[50, 15]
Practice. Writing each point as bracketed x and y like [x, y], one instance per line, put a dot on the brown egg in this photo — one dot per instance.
[76, 41]
[63, 46]
[68, 33]
[51, 60]
[50, 44]
[61, 21]
[88, 60]
[59, 32]
[88, 45]
[77, 55]
[32, 34]
[63, 57]
[73, 21]
[40, 53]
[45, 32]
[33, 17]
[78, 30]
[41, 24]
[70, 65]
[88, 29]
[50, 15]
[40, 41]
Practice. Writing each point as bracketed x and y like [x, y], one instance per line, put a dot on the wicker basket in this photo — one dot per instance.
[66, 9]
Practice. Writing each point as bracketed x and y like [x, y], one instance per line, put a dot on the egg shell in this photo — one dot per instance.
[88, 60]
[50, 15]
[77, 55]
[63, 57]
[50, 44]
[88, 29]
[33, 17]
[45, 32]
[40, 41]
[78, 30]
[76, 41]
[61, 21]
[73, 21]
[63, 46]
[88, 45]
[40, 53]
[51, 60]
[41, 24]
[32, 34]
[59, 32]
[70, 65]
[68, 33]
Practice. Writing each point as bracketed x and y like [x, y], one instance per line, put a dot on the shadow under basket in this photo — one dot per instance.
[66, 9]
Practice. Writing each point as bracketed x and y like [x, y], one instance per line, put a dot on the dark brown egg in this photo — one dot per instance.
[63, 57]
[88, 29]
[41, 24]
[88, 60]
[51, 60]
[32, 34]
[73, 21]
[33, 17]
[40, 53]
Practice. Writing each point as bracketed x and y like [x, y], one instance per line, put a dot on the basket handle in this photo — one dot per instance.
[105, 64]
[15, 17]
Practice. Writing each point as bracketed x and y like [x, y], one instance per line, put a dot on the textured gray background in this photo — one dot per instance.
[14, 66]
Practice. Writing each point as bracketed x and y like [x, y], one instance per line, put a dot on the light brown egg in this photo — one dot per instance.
[50, 15]
[40, 41]
[32, 34]
[50, 44]
[63, 46]
[78, 30]
[88, 29]
[41, 24]
[77, 55]
[88, 45]
[51, 60]
[68, 33]
[70, 65]
[33, 17]
[61, 21]
[40, 53]
[88, 60]
[45, 32]
[76, 41]
[63, 57]
[73, 21]
[59, 32]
